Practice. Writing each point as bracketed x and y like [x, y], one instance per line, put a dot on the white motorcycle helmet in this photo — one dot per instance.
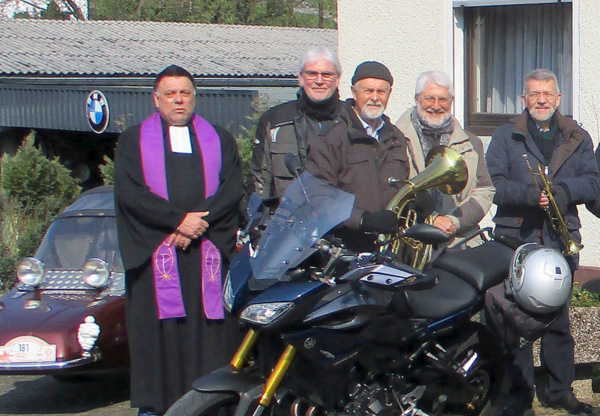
[540, 278]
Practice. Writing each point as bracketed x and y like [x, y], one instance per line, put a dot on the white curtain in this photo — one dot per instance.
[509, 41]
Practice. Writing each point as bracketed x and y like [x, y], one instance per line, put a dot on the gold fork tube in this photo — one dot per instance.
[277, 374]
[238, 360]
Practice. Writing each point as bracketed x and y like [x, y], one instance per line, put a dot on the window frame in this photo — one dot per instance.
[484, 124]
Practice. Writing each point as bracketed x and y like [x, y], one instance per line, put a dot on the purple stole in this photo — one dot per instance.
[167, 285]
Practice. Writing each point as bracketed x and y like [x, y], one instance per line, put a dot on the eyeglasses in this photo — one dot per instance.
[431, 100]
[550, 95]
[312, 75]
[170, 94]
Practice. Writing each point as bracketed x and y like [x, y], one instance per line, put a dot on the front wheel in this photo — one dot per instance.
[196, 403]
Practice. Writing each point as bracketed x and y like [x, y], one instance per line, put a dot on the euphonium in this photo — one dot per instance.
[447, 171]
[554, 216]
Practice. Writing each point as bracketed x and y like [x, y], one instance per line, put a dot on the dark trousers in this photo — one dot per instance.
[557, 363]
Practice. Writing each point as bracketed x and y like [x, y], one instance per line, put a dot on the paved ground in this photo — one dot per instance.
[108, 396]
[45, 396]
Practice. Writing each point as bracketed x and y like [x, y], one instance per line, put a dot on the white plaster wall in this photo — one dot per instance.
[412, 36]
[392, 32]
[589, 111]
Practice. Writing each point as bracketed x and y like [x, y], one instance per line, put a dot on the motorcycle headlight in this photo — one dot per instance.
[228, 294]
[265, 313]
[30, 271]
[96, 273]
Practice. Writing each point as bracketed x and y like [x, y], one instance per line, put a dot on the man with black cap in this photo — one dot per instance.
[361, 154]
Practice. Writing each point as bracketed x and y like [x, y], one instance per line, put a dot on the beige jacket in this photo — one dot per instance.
[468, 207]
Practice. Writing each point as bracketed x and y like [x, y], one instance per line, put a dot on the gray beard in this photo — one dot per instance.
[425, 116]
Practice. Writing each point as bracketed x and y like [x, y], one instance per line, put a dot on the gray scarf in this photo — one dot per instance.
[429, 138]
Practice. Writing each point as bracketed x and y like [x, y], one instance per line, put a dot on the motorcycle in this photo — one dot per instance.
[337, 333]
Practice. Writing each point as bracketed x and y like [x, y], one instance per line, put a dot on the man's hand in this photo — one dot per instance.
[544, 201]
[193, 225]
[561, 198]
[179, 241]
[534, 197]
[445, 224]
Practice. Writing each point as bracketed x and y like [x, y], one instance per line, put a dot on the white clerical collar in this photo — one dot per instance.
[372, 132]
[181, 141]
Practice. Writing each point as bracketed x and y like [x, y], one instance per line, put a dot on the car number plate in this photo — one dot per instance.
[27, 349]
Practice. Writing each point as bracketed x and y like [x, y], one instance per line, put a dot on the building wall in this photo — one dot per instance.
[408, 36]
[412, 36]
[64, 107]
[589, 109]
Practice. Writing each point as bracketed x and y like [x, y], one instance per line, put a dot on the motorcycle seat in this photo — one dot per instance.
[483, 266]
[451, 294]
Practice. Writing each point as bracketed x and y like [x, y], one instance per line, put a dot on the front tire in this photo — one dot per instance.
[196, 403]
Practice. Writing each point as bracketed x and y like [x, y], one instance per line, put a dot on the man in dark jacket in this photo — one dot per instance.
[287, 127]
[543, 136]
[360, 155]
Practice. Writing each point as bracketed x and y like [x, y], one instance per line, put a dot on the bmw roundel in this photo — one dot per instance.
[97, 111]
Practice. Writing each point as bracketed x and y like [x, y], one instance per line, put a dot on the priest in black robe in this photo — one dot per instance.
[178, 185]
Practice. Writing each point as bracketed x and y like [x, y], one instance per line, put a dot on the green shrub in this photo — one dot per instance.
[584, 298]
[33, 190]
[245, 144]
[107, 171]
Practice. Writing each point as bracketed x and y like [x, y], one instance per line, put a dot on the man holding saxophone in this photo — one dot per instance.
[542, 165]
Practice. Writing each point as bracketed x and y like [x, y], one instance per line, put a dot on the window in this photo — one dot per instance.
[503, 43]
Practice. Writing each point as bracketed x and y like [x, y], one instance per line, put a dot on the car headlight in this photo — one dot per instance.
[96, 273]
[265, 313]
[228, 294]
[30, 271]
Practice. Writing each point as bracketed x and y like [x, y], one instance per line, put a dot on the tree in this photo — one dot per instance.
[45, 9]
[52, 12]
[301, 13]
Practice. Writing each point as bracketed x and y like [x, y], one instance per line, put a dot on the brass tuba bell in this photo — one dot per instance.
[447, 171]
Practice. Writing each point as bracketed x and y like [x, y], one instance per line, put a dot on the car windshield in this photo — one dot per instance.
[71, 241]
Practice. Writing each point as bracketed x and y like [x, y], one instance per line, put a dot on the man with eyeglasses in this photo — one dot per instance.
[542, 137]
[178, 184]
[430, 123]
[287, 128]
[361, 154]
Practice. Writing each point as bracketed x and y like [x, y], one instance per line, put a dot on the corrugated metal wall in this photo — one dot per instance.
[53, 107]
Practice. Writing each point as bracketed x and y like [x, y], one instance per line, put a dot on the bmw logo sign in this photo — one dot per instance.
[97, 111]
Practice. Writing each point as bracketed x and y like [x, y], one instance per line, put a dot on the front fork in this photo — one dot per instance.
[276, 375]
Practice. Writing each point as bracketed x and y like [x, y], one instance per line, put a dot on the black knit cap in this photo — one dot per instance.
[372, 69]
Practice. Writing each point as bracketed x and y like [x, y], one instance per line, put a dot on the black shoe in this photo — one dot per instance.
[517, 407]
[569, 403]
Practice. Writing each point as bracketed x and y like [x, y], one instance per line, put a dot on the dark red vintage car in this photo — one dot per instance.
[67, 314]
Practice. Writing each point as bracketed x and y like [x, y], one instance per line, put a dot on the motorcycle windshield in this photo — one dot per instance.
[309, 209]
